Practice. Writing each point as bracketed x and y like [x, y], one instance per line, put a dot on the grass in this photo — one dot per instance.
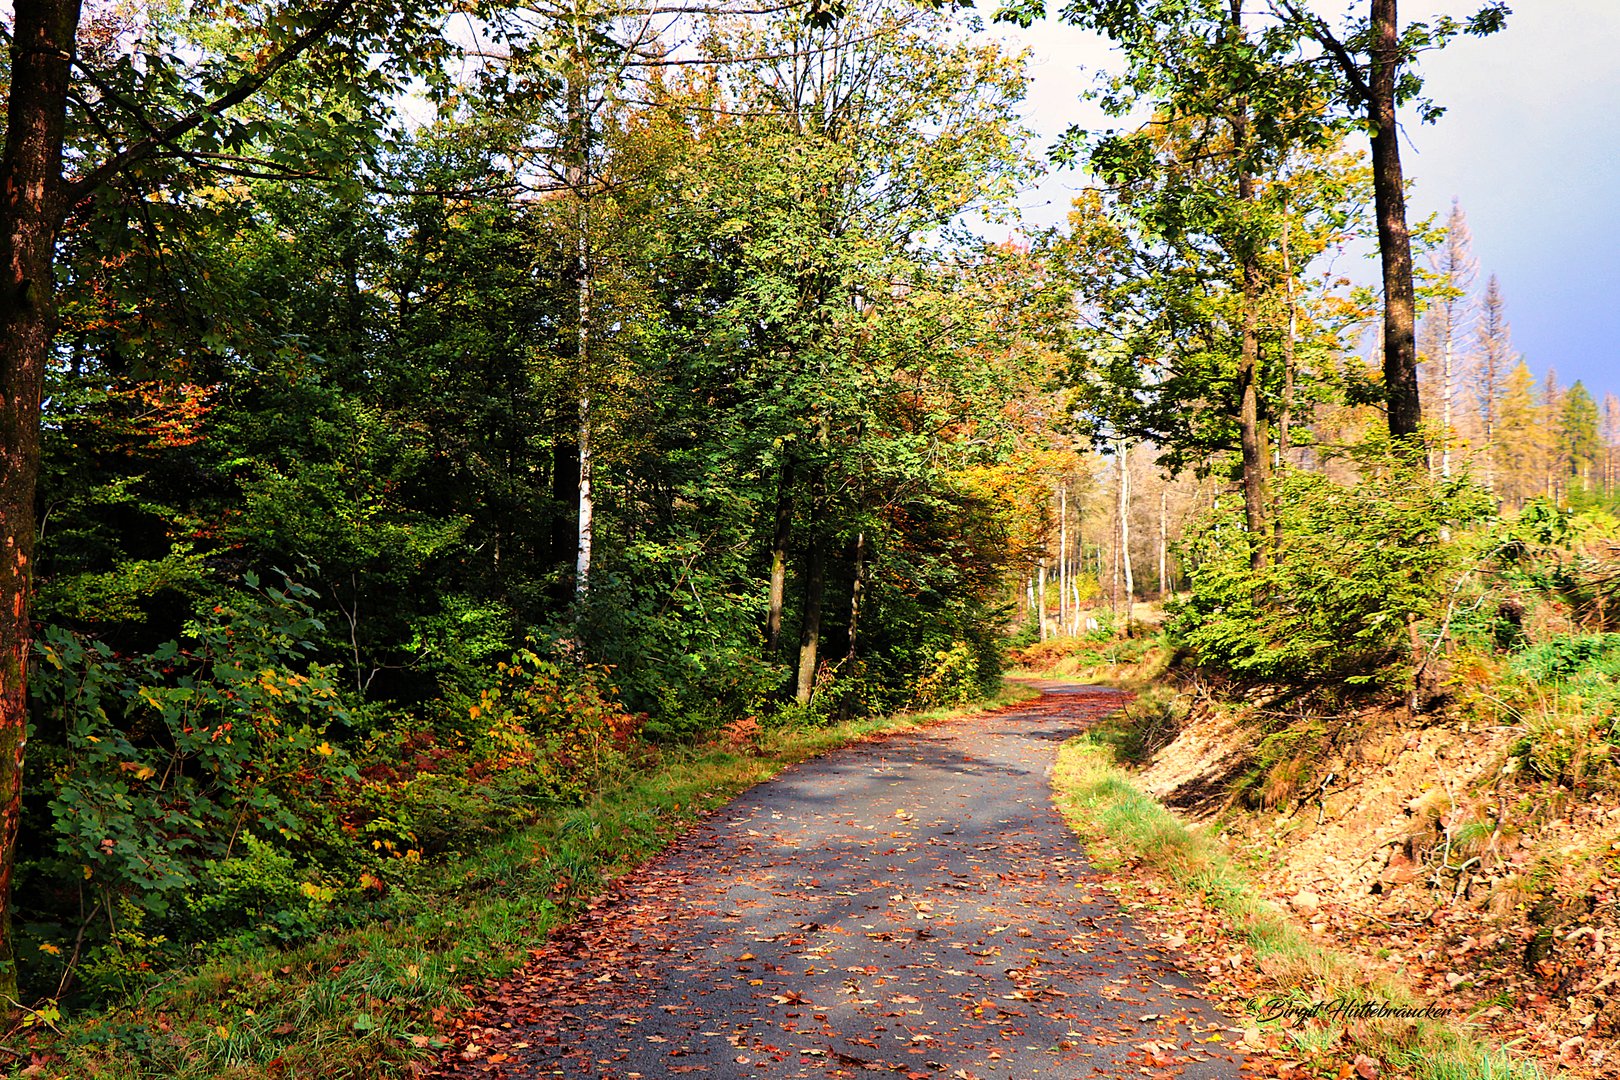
[1122, 824]
[368, 1001]
[1133, 663]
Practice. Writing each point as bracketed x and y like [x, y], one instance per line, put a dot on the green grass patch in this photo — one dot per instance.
[1123, 825]
[368, 1000]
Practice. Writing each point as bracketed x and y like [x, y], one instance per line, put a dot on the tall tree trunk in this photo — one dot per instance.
[1164, 544]
[780, 537]
[1251, 431]
[856, 590]
[1286, 420]
[1125, 528]
[1119, 504]
[1394, 238]
[815, 580]
[1063, 555]
[1040, 602]
[587, 504]
[43, 33]
[579, 183]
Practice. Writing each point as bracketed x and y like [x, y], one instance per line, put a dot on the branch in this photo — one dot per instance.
[243, 88]
[1324, 37]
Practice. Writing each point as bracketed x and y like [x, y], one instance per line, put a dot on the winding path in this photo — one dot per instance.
[911, 904]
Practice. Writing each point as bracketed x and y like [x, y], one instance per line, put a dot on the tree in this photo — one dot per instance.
[1493, 359]
[154, 109]
[1456, 268]
[1524, 444]
[1611, 439]
[1579, 435]
[1374, 58]
[862, 138]
[1171, 341]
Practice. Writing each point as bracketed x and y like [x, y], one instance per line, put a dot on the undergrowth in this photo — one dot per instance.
[365, 1000]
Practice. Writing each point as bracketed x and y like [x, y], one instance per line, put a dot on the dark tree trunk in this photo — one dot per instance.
[815, 580]
[1394, 239]
[30, 213]
[856, 589]
[779, 552]
[564, 504]
[1251, 431]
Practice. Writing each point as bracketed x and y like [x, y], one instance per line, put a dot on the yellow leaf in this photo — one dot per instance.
[222, 1031]
[87, 872]
[325, 748]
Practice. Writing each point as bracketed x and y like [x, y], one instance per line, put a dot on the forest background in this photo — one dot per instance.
[439, 415]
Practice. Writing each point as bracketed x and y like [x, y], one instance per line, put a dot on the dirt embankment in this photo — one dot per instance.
[1427, 849]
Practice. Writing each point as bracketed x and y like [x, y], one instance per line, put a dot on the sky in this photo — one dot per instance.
[1529, 144]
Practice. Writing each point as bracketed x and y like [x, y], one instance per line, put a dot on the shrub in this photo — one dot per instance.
[175, 773]
[559, 726]
[954, 678]
[1350, 570]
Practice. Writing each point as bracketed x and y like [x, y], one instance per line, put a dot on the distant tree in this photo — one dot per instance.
[1493, 359]
[1611, 439]
[1456, 268]
[1522, 446]
[1579, 435]
[1554, 463]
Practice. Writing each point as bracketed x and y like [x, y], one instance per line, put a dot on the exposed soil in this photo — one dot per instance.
[1405, 843]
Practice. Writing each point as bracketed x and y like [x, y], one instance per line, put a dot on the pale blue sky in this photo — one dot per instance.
[1530, 143]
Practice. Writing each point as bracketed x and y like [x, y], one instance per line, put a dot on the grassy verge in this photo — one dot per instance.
[366, 1000]
[1124, 826]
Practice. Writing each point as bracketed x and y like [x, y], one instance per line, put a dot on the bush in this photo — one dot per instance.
[561, 728]
[954, 679]
[1352, 567]
[175, 773]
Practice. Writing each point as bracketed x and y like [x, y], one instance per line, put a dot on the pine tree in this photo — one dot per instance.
[1493, 358]
[1578, 434]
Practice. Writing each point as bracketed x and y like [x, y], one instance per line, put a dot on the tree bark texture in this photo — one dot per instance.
[579, 181]
[815, 581]
[1394, 238]
[44, 33]
[1251, 431]
[856, 589]
[1041, 601]
[780, 537]
[1125, 527]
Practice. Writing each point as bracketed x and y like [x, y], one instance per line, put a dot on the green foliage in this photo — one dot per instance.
[952, 679]
[1583, 657]
[261, 891]
[1351, 568]
[161, 762]
[562, 729]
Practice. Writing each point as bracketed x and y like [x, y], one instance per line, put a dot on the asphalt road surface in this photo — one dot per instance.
[911, 905]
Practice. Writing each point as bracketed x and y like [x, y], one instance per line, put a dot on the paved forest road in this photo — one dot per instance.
[911, 905]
